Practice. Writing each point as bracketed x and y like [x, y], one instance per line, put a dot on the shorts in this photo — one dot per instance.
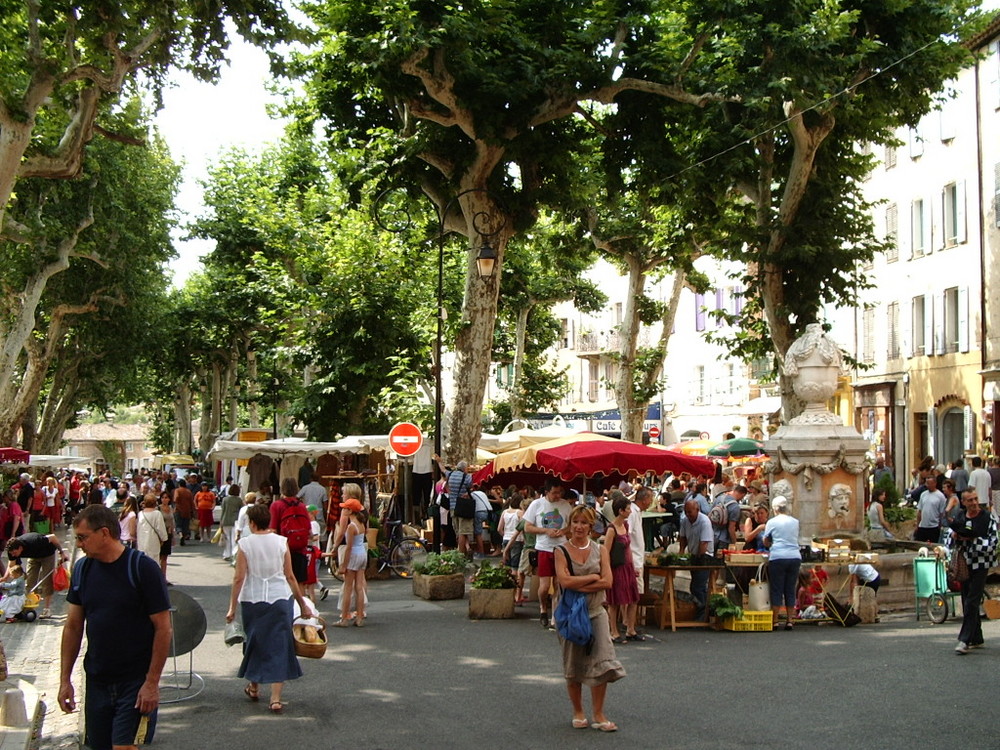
[514, 555]
[478, 521]
[300, 566]
[40, 569]
[463, 526]
[111, 715]
[546, 564]
[524, 566]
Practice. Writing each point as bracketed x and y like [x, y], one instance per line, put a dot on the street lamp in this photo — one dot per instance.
[486, 263]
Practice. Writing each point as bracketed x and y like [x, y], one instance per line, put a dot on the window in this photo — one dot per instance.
[892, 233]
[618, 313]
[700, 395]
[950, 321]
[947, 120]
[566, 338]
[868, 336]
[920, 227]
[736, 292]
[916, 140]
[129, 447]
[890, 157]
[919, 327]
[892, 313]
[594, 382]
[953, 200]
[699, 312]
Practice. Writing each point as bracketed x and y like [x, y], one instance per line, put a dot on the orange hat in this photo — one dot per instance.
[352, 504]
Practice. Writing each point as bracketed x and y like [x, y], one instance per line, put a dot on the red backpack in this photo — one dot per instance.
[295, 525]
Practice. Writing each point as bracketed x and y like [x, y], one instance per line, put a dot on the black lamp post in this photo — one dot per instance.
[486, 262]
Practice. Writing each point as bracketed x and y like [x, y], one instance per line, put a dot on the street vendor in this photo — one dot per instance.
[696, 535]
[753, 529]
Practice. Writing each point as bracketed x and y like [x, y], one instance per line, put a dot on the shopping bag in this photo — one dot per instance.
[60, 578]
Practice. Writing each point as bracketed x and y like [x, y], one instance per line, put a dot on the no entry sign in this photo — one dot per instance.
[405, 439]
[654, 432]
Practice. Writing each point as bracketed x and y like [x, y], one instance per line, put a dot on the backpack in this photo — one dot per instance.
[572, 615]
[718, 514]
[296, 526]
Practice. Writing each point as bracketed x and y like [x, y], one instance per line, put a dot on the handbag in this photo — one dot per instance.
[572, 614]
[958, 566]
[234, 633]
[217, 537]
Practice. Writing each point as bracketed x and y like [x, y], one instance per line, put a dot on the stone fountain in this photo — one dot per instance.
[818, 462]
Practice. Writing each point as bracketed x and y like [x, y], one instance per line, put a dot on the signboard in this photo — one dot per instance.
[704, 436]
[405, 439]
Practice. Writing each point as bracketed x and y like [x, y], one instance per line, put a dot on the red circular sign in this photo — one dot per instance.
[654, 431]
[405, 439]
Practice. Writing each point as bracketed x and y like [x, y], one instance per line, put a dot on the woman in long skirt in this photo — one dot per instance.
[264, 586]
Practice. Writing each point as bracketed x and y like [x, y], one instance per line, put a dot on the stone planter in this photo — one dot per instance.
[439, 587]
[491, 604]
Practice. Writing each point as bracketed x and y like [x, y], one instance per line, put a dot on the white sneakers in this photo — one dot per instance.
[962, 648]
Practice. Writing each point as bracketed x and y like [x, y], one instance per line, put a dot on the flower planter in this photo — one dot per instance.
[439, 587]
[491, 604]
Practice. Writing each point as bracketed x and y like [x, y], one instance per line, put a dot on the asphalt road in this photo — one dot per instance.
[421, 673]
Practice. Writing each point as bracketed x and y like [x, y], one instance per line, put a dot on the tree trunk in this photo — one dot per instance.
[520, 333]
[474, 346]
[60, 404]
[182, 419]
[29, 431]
[632, 413]
[253, 389]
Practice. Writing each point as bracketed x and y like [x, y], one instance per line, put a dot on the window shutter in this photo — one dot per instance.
[992, 64]
[931, 432]
[960, 232]
[940, 334]
[699, 311]
[963, 318]
[916, 143]
[906, 329]
[928, 224]
[928, 325]
[941, 220]
[969, 438]
[720, 306]
[947, 119]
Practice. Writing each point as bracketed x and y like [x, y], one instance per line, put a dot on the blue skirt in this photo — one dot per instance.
[269, 651]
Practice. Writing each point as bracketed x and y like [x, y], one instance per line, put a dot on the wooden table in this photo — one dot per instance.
[668, 602]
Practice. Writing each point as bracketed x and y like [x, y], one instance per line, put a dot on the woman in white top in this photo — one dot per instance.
[151, 529]
[781, 537]
[264, 585]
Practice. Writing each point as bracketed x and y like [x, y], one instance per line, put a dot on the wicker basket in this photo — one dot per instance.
[311, 650]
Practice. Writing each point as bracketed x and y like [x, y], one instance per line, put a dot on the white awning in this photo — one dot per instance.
[761, 406]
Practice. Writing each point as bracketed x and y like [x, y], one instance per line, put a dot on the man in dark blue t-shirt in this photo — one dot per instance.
[115, 591]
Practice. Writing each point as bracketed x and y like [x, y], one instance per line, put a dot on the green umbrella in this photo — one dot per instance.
[737, 447]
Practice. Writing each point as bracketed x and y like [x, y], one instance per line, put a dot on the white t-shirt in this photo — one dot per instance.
[548, 515]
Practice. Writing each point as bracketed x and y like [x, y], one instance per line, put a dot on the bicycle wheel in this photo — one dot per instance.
[937, 608]
[331, 565]
[405, 554]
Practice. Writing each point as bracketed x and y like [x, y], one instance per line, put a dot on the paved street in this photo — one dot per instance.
[421, 672]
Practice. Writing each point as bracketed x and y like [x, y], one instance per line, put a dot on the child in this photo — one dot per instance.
[12, 585]
[355, 562]
[314, 554]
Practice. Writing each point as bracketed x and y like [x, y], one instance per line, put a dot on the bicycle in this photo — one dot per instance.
[399, 554]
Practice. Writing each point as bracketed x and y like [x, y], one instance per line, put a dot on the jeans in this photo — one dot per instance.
[184, 527]
[784, 577]
[699, 591]
[111, 715]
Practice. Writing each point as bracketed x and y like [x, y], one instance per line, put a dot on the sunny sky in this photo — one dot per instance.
[199, 120]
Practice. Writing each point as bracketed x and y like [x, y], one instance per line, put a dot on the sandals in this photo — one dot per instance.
[619, 639]
[252, 693]
[359, 622]
[581, 723]
[276, 707]
[604, 726]
[639, 637]
[342, 623]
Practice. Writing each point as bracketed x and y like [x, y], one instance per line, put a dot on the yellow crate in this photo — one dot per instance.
[751, 622]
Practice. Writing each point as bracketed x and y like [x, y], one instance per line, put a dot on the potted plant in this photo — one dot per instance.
[440, 576]
[492, 593]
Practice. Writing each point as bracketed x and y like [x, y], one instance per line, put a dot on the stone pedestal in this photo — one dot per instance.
[817, 462]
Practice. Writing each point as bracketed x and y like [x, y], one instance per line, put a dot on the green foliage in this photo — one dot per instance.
[493, 577]
[887, 483]
[443, 564]
[722, 606]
